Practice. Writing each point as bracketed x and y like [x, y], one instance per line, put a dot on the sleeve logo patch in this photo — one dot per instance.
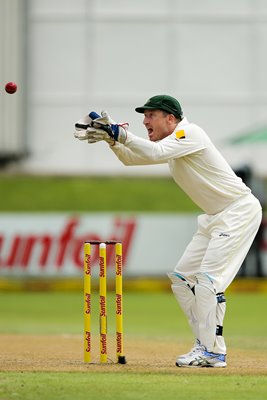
[180, 134]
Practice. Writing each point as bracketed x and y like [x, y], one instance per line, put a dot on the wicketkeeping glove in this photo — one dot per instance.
[95, 128]
[86, 121]
[117, 132]
[86, 134]
[81, 127]
[96, 135]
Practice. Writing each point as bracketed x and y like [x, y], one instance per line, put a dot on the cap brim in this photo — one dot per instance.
[141, 110]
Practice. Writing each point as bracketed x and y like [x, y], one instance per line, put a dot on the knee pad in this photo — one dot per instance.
[179, 280]
[205, 281]
[181, 289]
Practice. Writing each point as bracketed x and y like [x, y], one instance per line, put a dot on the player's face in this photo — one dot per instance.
[157, 124]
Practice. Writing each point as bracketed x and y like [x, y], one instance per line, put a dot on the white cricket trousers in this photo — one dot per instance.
[222, 242]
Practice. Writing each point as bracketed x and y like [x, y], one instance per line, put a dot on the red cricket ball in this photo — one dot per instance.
[11, 87]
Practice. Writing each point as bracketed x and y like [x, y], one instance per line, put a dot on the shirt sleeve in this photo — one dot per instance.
[173, 146]
[129, 157]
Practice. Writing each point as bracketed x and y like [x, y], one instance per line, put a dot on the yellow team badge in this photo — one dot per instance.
[180, 134]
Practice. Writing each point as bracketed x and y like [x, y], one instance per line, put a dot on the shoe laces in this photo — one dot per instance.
[196, 347]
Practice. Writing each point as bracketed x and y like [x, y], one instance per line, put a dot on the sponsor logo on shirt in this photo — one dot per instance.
[180, 134]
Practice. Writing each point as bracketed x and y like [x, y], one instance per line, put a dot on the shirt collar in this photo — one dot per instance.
[183, 122]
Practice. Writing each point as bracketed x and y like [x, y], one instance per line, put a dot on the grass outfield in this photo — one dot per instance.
[150, 318]
[41, 193]
[121, 386]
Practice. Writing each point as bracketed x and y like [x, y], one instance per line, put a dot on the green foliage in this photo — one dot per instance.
[40, 193]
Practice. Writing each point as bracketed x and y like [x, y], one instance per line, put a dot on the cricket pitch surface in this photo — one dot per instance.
[65, 353]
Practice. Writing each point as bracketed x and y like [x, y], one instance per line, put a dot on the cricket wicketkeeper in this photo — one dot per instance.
[226, 229]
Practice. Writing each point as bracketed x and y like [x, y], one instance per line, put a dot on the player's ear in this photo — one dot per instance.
[171, 118]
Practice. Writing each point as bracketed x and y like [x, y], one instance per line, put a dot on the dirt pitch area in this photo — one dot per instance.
[65, 353]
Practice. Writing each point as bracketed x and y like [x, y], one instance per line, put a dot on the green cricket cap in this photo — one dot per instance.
[162, 102]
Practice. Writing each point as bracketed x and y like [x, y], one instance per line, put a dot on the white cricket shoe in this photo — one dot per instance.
[202, 358]
[195, 349]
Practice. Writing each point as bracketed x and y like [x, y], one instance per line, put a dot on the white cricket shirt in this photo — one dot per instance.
[195, 164]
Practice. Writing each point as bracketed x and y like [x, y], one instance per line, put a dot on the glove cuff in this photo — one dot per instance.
[120, 132]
